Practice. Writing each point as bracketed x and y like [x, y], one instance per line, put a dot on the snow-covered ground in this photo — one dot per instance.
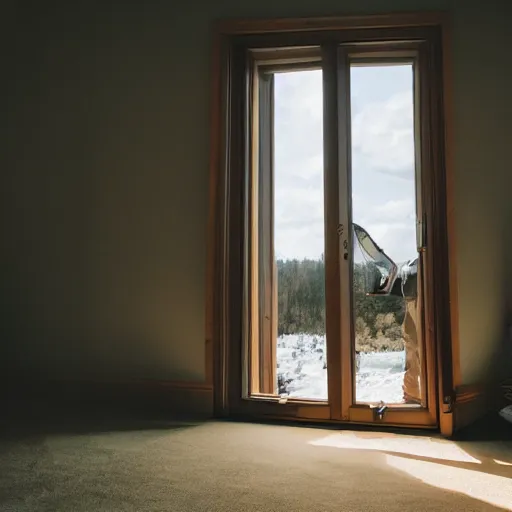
[302, 371]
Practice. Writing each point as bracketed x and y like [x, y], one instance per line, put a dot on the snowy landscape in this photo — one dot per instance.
[302, 371]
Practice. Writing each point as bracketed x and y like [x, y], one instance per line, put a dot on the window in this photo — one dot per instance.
[287, 236]
[333, 186]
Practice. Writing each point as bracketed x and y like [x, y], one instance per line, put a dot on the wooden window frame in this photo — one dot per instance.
[263, 313]
[226, 294]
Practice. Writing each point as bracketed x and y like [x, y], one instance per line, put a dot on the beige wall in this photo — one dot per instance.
[482, 82]
[105, 186]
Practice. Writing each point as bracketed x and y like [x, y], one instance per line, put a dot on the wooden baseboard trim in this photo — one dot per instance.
[469, 393]
[138, 396]
[471, 403]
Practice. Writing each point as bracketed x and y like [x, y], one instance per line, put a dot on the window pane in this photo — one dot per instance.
[299, 234]
[387, 337]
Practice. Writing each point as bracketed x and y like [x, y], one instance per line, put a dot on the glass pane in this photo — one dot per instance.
[299, 234]
[385, 286]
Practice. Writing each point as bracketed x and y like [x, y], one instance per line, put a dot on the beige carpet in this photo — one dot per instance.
[228, 467]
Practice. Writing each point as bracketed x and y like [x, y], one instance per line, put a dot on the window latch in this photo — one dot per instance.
[379, 410]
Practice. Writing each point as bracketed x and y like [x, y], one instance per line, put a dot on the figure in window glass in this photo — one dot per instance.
[399, 280]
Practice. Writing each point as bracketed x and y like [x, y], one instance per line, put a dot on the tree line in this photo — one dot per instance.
[301, 302]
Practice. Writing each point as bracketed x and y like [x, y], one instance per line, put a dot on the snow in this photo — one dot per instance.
[301, 365]
[380, 377]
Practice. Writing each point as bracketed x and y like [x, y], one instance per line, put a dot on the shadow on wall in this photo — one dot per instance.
[501, 363]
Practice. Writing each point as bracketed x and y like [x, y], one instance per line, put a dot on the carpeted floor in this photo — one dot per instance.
[227, 466]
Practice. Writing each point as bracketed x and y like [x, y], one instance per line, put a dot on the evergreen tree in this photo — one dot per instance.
[301, 303]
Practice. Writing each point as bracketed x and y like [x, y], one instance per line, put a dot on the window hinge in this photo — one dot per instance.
[421, 233]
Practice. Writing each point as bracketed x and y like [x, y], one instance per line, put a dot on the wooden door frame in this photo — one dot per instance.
[222, 251]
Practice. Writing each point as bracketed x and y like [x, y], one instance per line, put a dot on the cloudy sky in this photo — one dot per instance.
[382, 160]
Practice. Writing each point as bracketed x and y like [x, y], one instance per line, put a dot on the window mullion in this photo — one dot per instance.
[345, 242]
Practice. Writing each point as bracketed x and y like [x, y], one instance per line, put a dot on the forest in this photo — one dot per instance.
[301, 305]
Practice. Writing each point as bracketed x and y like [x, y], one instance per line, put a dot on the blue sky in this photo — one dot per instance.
[383, 189]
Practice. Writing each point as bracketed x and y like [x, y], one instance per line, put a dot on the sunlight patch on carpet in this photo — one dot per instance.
[407, 445]
[492, 489]
[502, 462]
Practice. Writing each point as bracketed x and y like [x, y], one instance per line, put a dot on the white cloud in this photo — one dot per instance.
[383, 135]
[395, 210]
[299, 229]
[299, 208]
[382, 163]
